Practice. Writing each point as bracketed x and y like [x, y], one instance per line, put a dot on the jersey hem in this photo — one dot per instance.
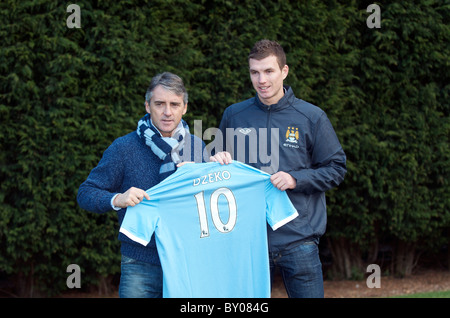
[133, 237]
[284, 221]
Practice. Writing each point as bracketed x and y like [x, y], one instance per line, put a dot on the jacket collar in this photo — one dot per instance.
[283, 103]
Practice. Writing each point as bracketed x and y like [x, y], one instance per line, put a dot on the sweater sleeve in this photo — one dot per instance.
[103, 182]
[328, 161]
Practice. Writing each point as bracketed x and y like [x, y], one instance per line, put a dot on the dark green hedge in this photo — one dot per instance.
[66, 94]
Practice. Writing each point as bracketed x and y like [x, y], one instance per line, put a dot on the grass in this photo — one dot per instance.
[437, 294]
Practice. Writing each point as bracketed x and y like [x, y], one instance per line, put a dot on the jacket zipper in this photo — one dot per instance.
[269, 135]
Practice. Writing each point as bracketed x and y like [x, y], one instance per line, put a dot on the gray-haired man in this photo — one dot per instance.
[136, 162]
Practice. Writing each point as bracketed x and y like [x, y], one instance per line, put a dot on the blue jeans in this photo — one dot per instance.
[139, 279]
[301, 270]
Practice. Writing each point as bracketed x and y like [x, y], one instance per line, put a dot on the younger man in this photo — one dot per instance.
[308, 161]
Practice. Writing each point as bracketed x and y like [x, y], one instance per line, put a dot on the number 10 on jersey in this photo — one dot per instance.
[214, 208]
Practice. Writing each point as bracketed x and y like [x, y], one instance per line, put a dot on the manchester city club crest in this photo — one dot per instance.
[292, 136]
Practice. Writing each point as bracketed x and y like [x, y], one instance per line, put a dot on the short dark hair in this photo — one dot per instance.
[265, 48]
[169, 81]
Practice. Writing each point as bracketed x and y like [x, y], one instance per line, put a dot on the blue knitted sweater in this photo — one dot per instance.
[128, 162]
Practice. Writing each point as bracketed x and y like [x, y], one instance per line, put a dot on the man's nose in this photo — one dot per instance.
[167, 110]
[262, 78]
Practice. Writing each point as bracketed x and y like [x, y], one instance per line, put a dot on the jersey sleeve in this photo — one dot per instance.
[140, 222]
[279, 209]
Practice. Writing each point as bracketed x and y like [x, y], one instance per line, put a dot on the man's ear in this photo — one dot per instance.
[285, 71]
[147, 107]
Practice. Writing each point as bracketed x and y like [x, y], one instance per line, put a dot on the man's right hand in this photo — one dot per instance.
[223, 157]
[131, 197]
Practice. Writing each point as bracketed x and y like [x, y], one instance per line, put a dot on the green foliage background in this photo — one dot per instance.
[66, 94]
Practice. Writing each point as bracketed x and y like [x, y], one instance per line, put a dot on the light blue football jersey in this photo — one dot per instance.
[210, 226]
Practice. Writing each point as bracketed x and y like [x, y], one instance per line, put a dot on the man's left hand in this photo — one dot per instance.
[283, 180]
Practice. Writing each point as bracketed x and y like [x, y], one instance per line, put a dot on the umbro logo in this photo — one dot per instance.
[245, 131]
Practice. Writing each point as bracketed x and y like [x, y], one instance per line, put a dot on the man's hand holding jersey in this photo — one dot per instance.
[223, 157]
[131, 197]
[281, 180]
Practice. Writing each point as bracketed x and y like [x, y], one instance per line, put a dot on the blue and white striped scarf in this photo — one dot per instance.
[168, 149]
